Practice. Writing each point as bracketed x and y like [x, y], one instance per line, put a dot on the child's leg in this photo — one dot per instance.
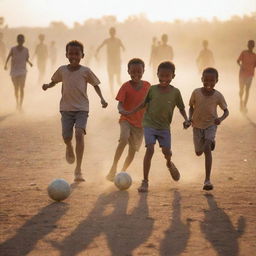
[208, 159]
[79, 134]
[247, 90]
[147, 160]
[70, 156]
[241, 91]
[129, 158]
[123, 140]
[21, 88]
[67, 121]
[135, 141]
[16, 90]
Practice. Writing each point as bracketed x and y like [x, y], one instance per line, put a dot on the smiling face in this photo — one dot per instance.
[209, 81]
[165, 76]
[136, 72]
[74, 55]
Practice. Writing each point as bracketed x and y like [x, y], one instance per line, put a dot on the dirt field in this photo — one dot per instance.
[97, 219]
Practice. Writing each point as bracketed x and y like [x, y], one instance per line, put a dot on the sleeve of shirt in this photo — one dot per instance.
[222, 102]
[192, 99]
[57, 76]
[121, 94]
[92, 78]
[179, 101]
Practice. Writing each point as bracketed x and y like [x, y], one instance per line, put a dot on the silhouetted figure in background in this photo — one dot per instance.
[114, 45]
[247, 63]
[19, 57]
[164, 51]
[2, 50]
[41, 53]
[205, 58]
[53, 54]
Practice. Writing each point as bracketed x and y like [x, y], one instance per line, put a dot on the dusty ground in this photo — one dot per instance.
[97, 219]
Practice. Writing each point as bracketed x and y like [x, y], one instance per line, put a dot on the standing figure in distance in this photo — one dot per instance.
[114, 46]
[19, 58]
[164, 51]
[205, 58]
[41, 53]
[247, 63]
[53, 54]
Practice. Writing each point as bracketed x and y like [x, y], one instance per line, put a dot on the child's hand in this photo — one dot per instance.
[45, 87]
[186, 124]
[5, 67]
[104, 103]
[217, 121]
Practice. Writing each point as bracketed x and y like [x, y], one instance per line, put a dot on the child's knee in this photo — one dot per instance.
[167, 152]
[79, 133]
[199, 153]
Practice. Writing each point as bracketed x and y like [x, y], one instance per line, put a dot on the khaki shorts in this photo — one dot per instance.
[201, 135]
[130, 134]
[69, 119]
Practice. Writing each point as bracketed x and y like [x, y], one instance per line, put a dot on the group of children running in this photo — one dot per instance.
[144, 110]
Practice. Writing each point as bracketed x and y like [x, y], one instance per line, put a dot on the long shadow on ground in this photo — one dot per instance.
[219, 230]
[33, 230]
[124, 232]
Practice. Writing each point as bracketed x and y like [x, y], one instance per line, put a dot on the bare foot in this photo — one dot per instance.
[78, 176]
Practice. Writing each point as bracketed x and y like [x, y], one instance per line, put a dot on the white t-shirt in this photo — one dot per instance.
[74, 87]
[19, 61]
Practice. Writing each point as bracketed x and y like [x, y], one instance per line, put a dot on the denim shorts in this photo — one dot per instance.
[71, 119]
[163, 137]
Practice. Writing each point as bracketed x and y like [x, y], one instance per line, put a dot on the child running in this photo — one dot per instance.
[130, 95]
[203, 115]
[19, 58]
[74, 104]
[160, 103]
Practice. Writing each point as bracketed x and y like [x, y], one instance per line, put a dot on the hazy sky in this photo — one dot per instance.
[42, 12]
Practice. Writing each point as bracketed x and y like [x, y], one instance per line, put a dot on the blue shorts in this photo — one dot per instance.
[152, 135]
[69, 119]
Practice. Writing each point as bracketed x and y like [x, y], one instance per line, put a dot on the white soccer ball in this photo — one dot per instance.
[123, 180]
[58, 190]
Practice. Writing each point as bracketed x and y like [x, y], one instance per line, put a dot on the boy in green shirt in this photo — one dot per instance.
[160, 103]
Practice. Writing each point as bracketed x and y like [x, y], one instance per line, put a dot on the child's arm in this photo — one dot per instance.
[186, 123]
[98, 91]
[30, 63]
[8, 57]
[223, 117]
[47, 86]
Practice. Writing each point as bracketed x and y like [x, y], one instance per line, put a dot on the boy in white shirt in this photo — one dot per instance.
[74, 104]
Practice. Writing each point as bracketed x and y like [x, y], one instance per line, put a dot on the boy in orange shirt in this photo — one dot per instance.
[129, 96]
